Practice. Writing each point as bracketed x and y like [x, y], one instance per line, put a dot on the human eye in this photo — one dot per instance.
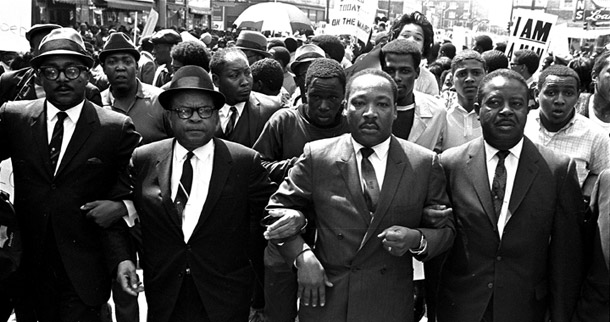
[110, 61]
[460, 74]
[549, 92]
[569, 93]
[383, 103]
[358, 103]
[493, 103]
[477, 72]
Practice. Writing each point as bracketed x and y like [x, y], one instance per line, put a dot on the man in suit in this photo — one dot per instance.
[518, 210]
[66, 151]
[146, 63]
[367, 190]
[25, 84]
[243, 116]
[196, 197]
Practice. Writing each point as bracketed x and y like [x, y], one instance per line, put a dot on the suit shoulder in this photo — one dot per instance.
[456, 154]
[22, 108]
[154, 148]
[553, 158]
[325, 146]
[235, 149]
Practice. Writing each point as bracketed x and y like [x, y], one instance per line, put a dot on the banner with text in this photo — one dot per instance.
[352, 17]
[530, 30]
[14, 23]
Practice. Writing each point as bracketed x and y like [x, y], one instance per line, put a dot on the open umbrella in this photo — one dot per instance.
[273, 16]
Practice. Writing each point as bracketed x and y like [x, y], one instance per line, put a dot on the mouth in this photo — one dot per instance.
[505, 124]
[63, 89]
[369, 127]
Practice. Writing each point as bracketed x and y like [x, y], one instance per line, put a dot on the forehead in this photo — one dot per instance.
[504, 86]
[412, 29]
[556, 80]
[61, 60]
[191, 98]
[469, 64]
[332, 83]
[396, 59]
[235, 60]
[371, 85]
[120, 56]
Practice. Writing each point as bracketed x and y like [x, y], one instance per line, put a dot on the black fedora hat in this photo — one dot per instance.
[39, 28]
[62, 41]
[118, 42]
[191, 77]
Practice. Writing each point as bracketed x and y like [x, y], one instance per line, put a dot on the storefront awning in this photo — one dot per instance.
[135, 5]
[200, 7]
[72, 1]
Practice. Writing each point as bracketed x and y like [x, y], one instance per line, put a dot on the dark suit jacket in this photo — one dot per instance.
[99, 149]
[369, 283]
[19, 86]
[217, 250]
[248, 129]
[537, 265]
[594, 305]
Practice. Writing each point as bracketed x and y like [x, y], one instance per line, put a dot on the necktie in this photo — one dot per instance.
[371, 186]
[498, 186]
[186, 181]
[56, 139]
[231, 124]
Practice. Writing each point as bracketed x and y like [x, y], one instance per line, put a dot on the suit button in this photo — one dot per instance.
[188, 247]
[382, 271]
[74, 241]
[53, 186]
[340, 236]
[180, 275]
[499, 258]
[490, 285]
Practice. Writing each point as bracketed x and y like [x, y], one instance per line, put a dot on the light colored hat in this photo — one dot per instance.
[206, 38]
[306, 53]
[254, 41]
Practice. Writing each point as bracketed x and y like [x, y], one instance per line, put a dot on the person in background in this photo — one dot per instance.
[518, 252]
[494, 60]
[482, 43]
[282, 55]
[189, 53]
[253, 44]
[526, 62]
[333, 47]
[447, 50]
[267, 79]
[303, 58]
[146, 64]
[163, 41]
[596, 106]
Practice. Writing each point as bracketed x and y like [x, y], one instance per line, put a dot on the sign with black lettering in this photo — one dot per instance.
[14, 23]
[352, 17]
[530, 30]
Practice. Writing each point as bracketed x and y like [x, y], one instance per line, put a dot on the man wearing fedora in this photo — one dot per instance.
[253, 44]
[127, 94]
[163, 41]
[66, 151]
[196, 196]
[304, 56]
[24, 84]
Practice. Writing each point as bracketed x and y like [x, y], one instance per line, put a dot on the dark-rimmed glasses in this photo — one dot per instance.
[71, 72]
[186, 112]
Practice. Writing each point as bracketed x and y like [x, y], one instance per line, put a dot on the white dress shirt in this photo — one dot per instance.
[510, 163]
[202, 162]
[69, 126]
[379, 160]
[225, 114]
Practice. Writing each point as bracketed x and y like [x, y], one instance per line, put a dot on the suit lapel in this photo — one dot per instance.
[420, 122]
[397, 167]
[164, 177]
[87, 123]
[526, 172]
[347, 165]
[39, 132]
[254, 114]
[221, 168]
[477, 170]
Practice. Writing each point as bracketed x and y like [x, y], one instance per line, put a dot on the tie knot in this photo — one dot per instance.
[233, 109]
[502, 154]
[61, 116]
[366, 152]
[189, 155]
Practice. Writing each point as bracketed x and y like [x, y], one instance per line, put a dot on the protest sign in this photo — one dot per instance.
[14, 23]
[151, 22]
[530, 30]
[352, 17]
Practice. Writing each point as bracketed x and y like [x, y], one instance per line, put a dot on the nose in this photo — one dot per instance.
[370, 112]
[506, 109]
[561, 100]
[324, 105]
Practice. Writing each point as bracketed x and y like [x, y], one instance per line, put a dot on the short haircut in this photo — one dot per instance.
[281, 54]
[291, 44]
[495, 60]
[275, 43]
[268, 71]
[331, 45]
[529, 58]
[484, 42]
[192, 53]
[403, 47]
[372, 71]
[448, 50]
[601, 62]
[217, 64]
[583, 66]
[416, 18]
[466, 55]
[506, 73]
[325, 68]
[558, 70]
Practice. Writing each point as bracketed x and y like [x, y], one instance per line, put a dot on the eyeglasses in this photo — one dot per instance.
[71, 72]
[186, 112]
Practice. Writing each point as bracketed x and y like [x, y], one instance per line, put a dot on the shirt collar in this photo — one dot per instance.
[201, 152]
[239, 106]
[490, 151]
[73, 112]
[406, 107]
[381, 149]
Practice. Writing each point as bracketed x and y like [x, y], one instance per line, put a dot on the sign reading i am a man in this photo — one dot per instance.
[530, 30]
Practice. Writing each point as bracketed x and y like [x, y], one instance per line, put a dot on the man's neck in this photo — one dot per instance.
[125, 93]
[601, 106]
[407, 100]
[465, 103]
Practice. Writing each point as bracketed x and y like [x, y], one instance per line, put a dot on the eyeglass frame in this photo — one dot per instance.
[62, 70]
[192, 111]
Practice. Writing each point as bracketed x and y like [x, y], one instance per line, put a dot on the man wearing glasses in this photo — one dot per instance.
[66, 151]
[196, 197]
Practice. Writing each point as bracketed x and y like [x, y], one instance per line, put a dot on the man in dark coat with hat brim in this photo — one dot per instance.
[196, 197]
[66, 151]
